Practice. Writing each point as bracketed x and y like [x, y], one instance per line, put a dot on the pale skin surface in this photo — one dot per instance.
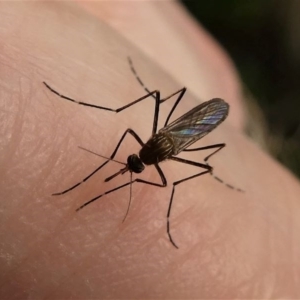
[231, 245]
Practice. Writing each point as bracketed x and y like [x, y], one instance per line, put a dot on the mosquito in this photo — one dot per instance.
[164, 144]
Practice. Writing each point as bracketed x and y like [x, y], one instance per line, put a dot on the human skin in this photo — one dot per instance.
[231, 244]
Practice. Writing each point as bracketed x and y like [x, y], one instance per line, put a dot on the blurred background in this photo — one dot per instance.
[263, 39]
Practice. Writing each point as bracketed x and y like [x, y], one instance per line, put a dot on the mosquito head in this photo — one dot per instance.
[135, 164]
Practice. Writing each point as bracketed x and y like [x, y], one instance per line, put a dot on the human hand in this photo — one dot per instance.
[231, 245]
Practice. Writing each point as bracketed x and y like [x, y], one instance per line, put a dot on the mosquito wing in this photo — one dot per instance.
[196, 123]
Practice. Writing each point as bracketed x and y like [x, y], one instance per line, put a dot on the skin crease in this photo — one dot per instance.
[231, 245]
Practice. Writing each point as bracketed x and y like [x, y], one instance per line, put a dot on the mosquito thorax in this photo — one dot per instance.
[158, 148]
[135, 164]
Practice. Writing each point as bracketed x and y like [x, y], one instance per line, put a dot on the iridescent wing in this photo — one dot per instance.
[196, 123]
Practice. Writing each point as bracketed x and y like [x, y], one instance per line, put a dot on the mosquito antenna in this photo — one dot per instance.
[101, 155]
[130, 195]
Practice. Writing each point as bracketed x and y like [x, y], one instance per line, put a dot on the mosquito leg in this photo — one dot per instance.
[156, 113]
[82, 181]
[73, 100]
[163, 184]
[171, 202]
[106, 193]
[101, 107]
[181, 92]
[130, 131]
[220, 147]
[137, 76]
[193, 163]
[155, 94]
[134, 134]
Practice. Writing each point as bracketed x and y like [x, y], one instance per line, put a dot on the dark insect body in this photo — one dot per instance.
[165, 144]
